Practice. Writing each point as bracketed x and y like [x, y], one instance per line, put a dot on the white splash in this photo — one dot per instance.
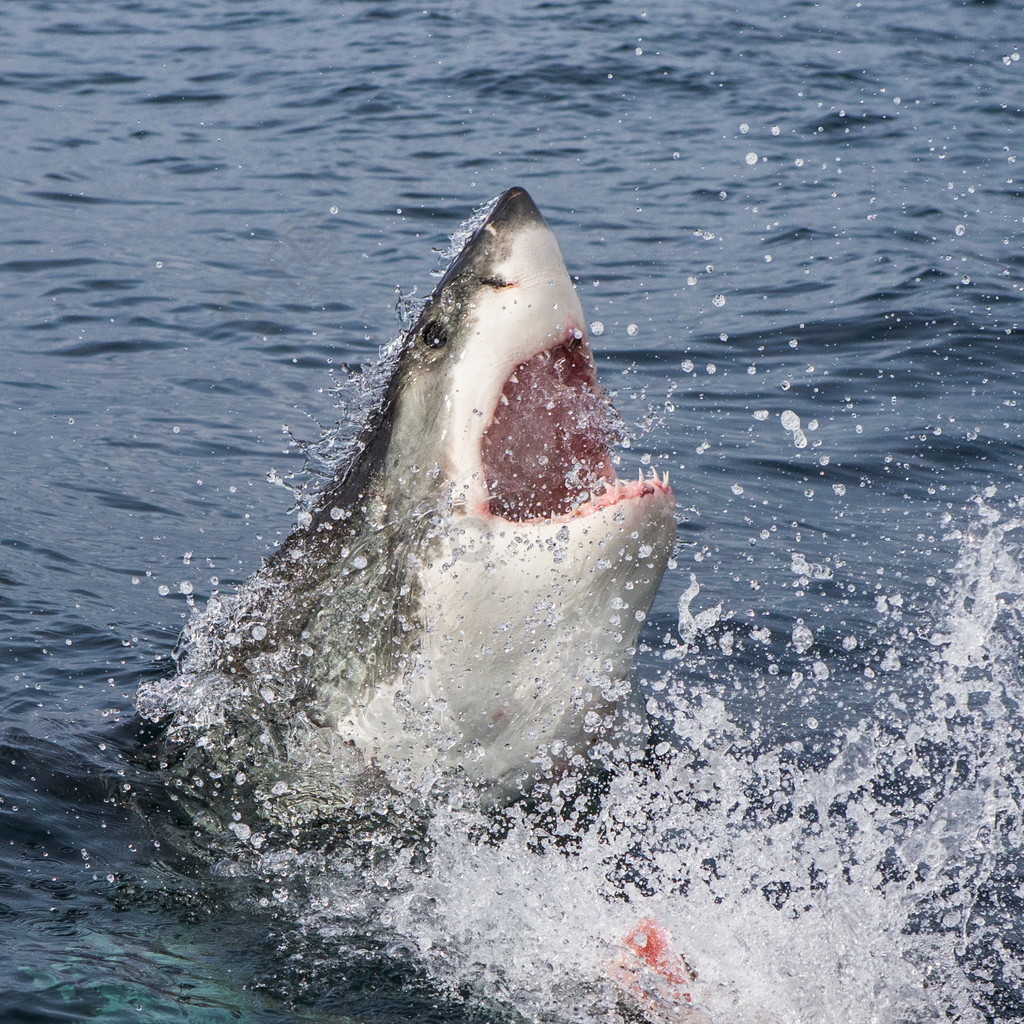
[851, 892]
[690, 625]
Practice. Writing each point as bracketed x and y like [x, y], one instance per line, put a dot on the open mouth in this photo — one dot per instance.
[547, 451]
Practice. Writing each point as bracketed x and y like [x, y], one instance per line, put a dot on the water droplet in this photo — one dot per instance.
[803, 638]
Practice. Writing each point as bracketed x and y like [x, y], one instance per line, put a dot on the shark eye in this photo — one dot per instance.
[434, 335]
[494, 282]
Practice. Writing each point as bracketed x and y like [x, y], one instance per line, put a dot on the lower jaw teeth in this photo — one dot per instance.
[616, 486]
[602, 492]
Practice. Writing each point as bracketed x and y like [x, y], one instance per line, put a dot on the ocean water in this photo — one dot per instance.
[798, 232]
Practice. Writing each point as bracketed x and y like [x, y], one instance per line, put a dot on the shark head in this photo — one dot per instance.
[497, 391]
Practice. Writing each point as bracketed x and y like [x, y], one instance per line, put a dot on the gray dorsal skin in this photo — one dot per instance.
[463, 599]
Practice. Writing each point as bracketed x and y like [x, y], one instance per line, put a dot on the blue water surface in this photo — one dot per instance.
[799, 232]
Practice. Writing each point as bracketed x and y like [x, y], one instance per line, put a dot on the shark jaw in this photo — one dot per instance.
[528, 430]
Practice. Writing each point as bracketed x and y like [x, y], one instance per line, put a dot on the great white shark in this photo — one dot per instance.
[463, 598]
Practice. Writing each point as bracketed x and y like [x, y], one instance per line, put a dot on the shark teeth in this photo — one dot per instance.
[642, 476]
[603, 493]
[608, 492]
